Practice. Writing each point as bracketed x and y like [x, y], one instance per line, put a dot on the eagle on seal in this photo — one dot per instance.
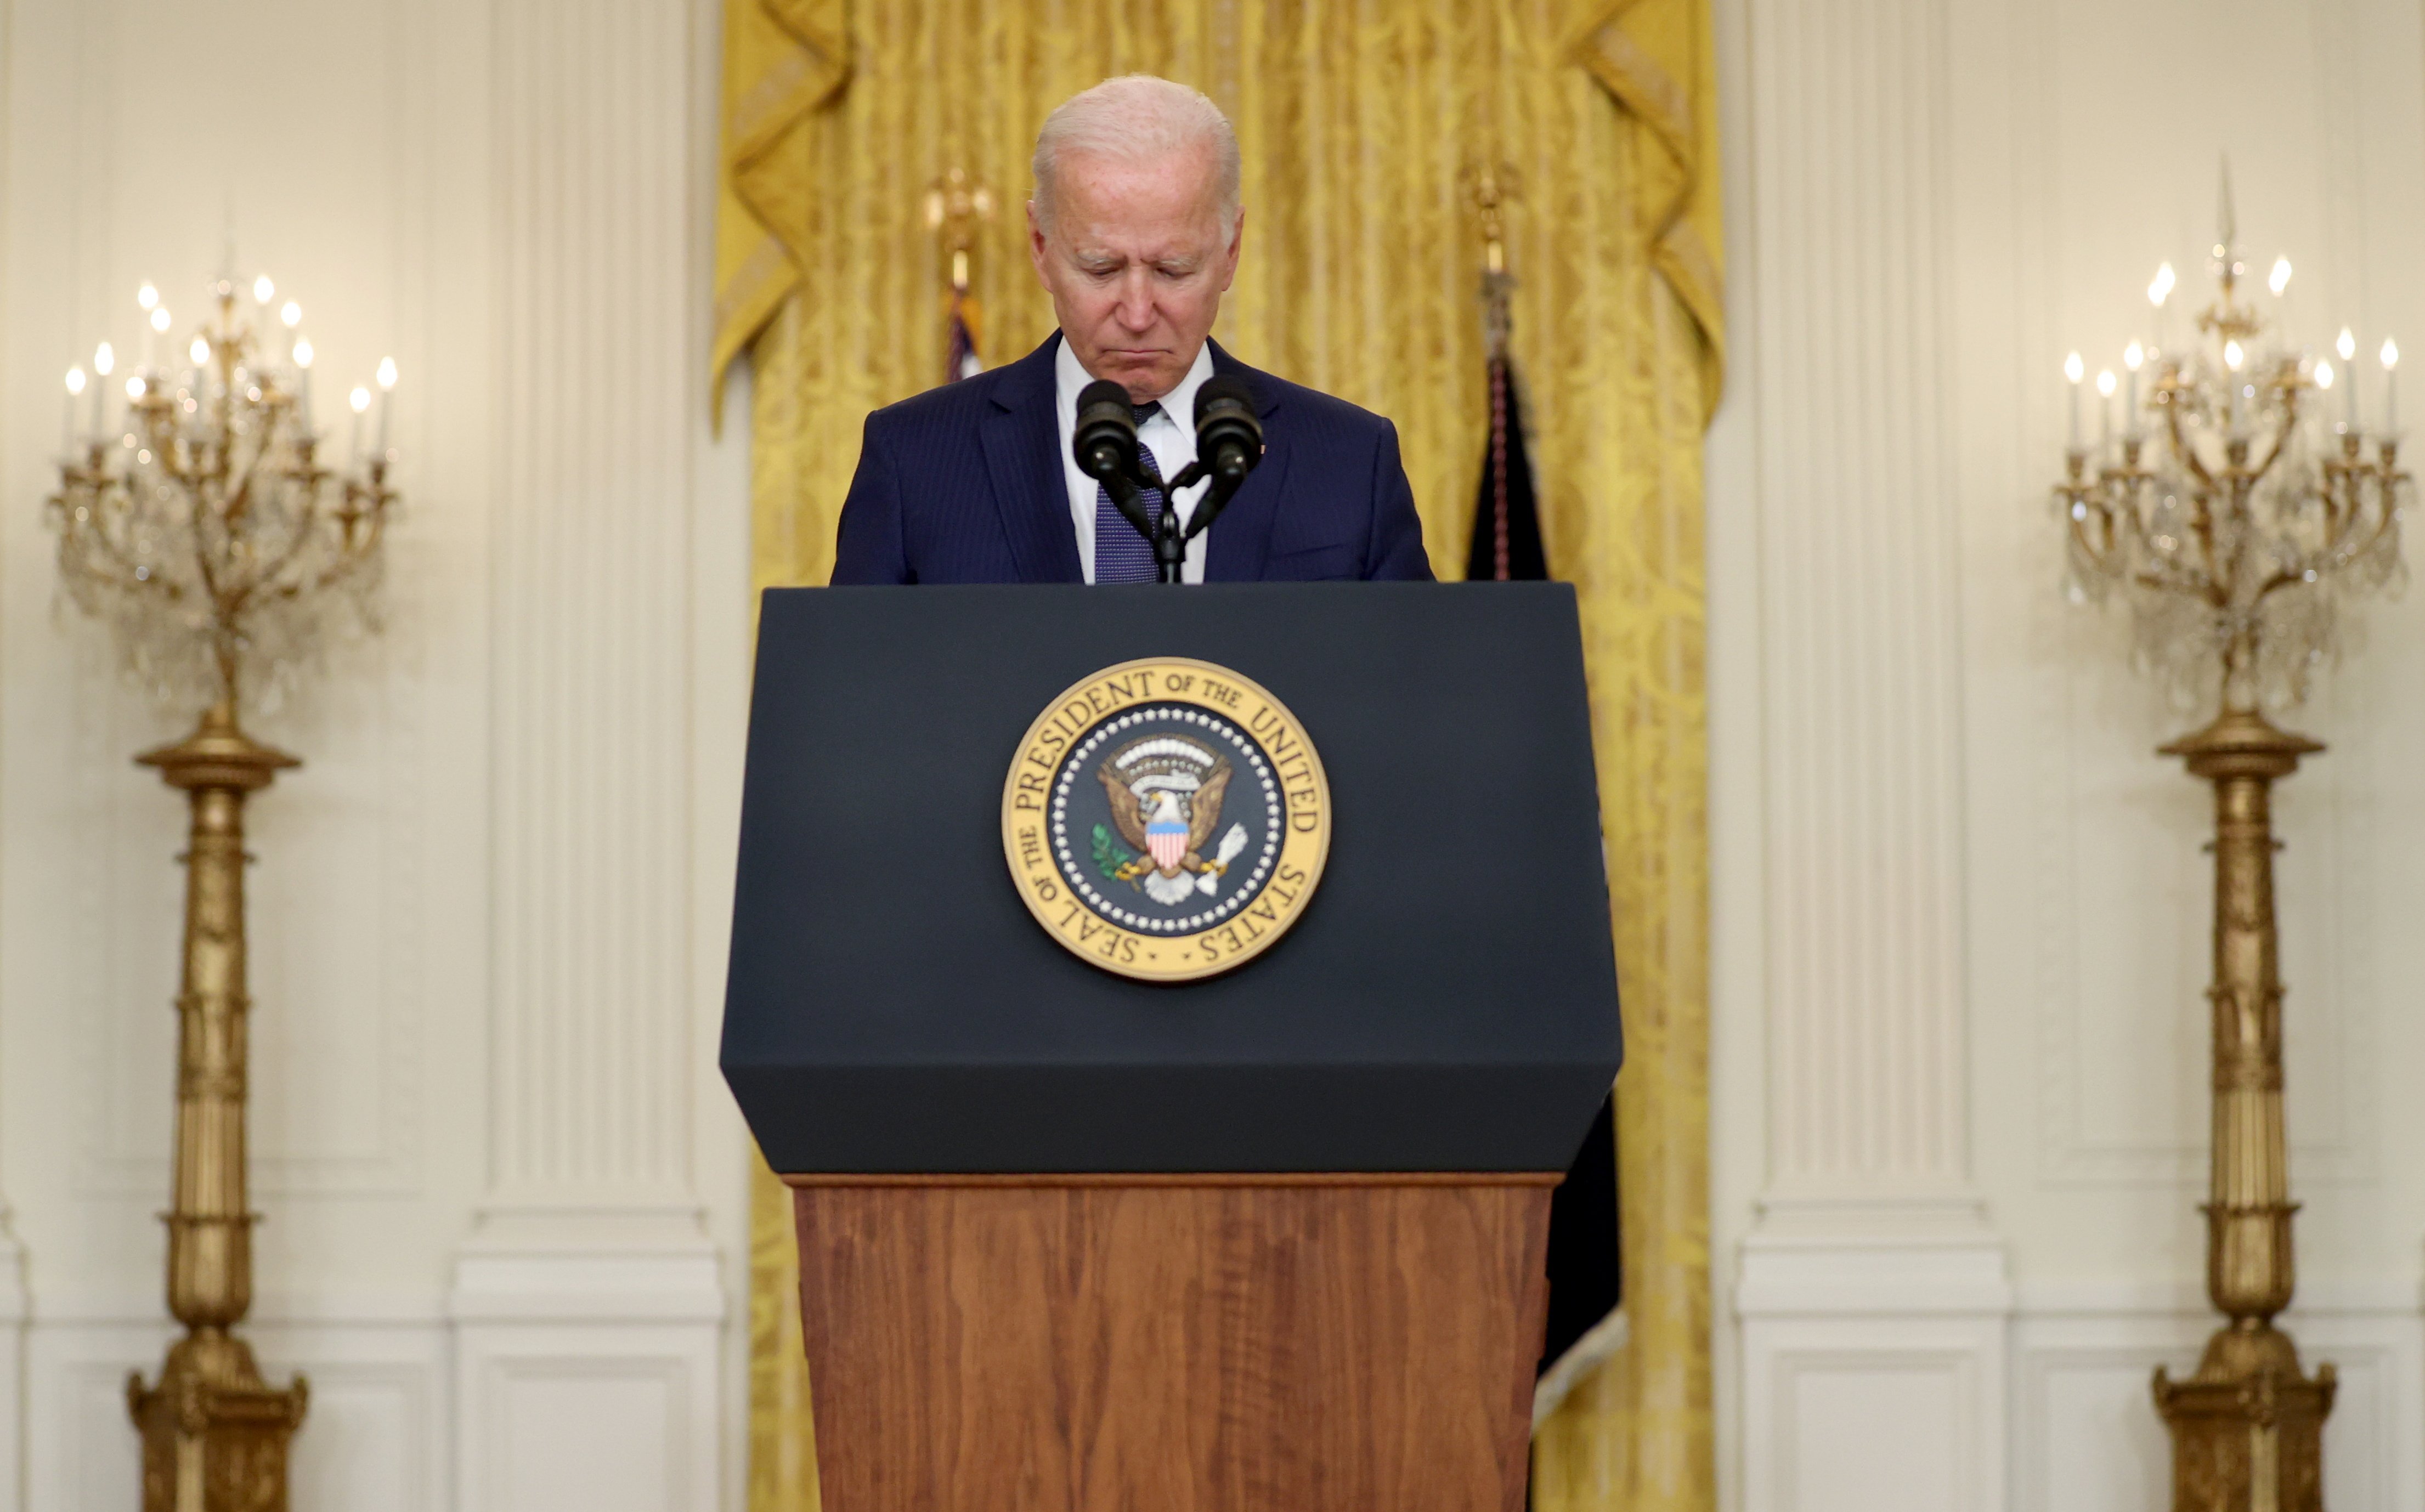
[1165, 799]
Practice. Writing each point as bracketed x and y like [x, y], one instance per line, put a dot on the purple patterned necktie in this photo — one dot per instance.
[1121, 555]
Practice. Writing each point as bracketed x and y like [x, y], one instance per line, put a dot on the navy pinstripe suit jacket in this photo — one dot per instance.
[964, 484]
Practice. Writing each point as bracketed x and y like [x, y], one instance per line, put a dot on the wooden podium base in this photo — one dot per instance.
[1184, 1344]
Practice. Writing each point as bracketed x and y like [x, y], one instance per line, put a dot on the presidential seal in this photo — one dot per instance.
[1165, 819]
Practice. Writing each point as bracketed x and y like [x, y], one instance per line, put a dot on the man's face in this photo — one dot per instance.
[1136, 264]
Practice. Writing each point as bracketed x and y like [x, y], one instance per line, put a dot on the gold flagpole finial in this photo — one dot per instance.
[1490, 187]
[957, 206]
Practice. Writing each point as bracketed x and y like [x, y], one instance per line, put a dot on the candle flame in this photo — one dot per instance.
[2347, 346]
[199, 352]
[2105, 382]
[2162, 287]
[147, 296]
[2073, 368]
[303, 352]
[135, 387]
[75, 379]
[104, 359]
[2133, 355]
[291, 314]
[2324, 373]
[160, 318]
[263, 290]
[359, 399]
[386, 374]
[2280, 277]
[2233, 356]
[2391, 354]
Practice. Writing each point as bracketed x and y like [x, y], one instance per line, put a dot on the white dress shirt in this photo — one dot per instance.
[1170, 435]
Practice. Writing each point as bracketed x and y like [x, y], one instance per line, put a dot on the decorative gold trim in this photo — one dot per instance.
[1026, 815]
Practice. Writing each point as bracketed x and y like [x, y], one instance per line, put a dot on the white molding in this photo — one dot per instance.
[606, 1281]
[1905, 1281]
[1875, 1316]
[587, 1450]
[1863, 1415]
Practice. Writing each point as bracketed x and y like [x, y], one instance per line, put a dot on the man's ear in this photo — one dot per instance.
[1036, 243]
[1237, 239]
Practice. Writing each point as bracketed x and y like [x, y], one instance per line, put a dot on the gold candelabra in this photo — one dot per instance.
[2239, 535]
[200, 524]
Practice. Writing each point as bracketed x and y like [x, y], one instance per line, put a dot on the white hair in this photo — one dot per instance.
[1138, 117]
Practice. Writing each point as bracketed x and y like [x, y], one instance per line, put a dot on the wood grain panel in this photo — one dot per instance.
[1205, 1346]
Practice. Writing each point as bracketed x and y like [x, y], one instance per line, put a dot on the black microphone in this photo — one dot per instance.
[1228, 438]
[1105, 440]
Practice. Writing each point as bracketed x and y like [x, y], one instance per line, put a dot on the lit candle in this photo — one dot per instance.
[2073, 371]
[2159, 290]
[360, 400]
[2133, 356]
[2232, 358]
[2105, 407]
[2346, 346]
[201, 352]
[2390, 388]
[2323, 374]
[387, 400]
[303, 381]
[67, 427]
[156, 326]
[102, 360]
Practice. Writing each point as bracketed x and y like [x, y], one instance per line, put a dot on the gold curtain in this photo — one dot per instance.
[1359, 120]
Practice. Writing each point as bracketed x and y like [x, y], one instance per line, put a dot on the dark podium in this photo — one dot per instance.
[1270, 1239]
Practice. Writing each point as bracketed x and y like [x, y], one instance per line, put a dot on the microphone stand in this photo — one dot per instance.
[1166, 536]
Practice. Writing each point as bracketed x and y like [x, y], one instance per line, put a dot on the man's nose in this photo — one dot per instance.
[1133, 309]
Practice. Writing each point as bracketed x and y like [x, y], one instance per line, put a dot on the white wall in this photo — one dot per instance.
[1959, 1098]
[504, 1221]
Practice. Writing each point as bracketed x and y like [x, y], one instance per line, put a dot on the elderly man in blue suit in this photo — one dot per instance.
[1134, 229]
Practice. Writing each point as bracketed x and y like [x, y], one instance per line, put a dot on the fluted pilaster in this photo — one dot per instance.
[1862, 698]
[590, 1079]
[589, 1292]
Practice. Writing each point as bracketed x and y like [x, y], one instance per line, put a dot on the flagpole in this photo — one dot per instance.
[957, 206]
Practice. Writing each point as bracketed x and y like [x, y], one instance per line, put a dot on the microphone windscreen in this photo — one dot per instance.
[1225, 394]
[1106, 439]
[1104, 400]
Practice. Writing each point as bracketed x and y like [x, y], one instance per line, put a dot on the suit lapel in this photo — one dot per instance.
[1239, 541]
[1021, 437]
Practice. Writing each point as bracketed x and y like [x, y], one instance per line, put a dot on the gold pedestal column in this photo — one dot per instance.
[2248, 1428]
[215, 1434]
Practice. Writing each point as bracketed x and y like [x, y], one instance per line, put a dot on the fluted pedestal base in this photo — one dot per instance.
[2248, 1428]
[215, 1435]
